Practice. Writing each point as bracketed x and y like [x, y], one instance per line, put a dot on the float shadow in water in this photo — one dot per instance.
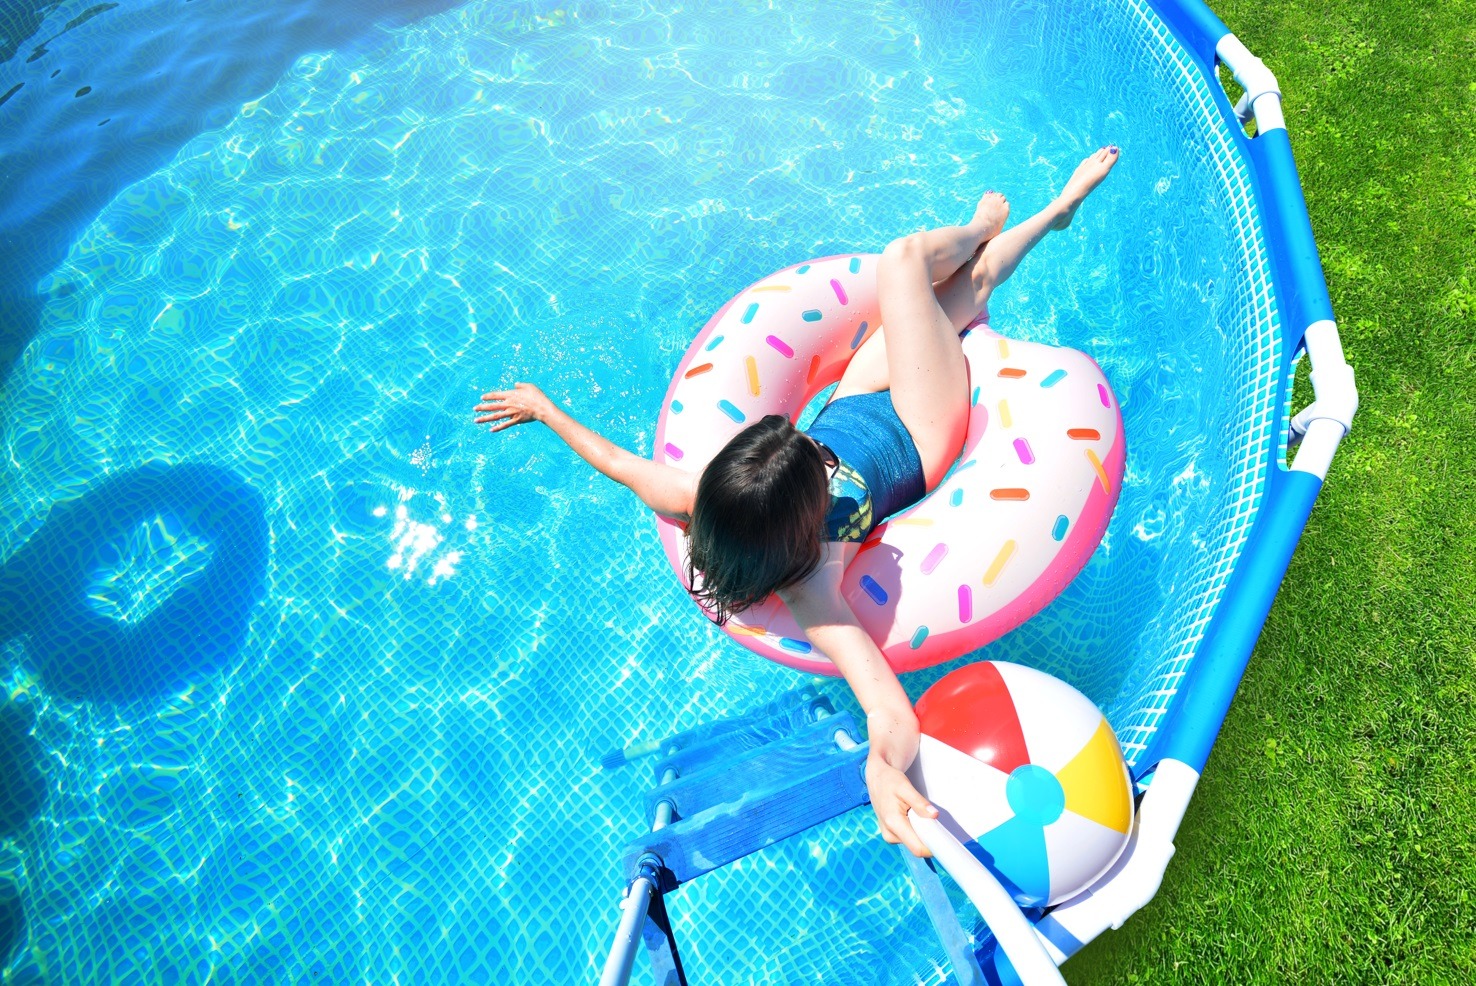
[80, 650]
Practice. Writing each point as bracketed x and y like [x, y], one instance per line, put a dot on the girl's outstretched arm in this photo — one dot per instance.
[665, 489]
[891, 723]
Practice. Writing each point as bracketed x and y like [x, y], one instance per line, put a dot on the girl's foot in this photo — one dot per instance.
[990, 216]
[1087, 176]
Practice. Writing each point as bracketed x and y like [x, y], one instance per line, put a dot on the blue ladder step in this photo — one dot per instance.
[730, 778]
[757, 731]
[710, 731]
[815, 789]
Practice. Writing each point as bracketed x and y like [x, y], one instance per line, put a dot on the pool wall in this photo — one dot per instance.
[1188, 731]
[1255, 551]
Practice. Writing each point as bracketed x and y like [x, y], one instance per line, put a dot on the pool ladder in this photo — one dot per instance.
[730, 788]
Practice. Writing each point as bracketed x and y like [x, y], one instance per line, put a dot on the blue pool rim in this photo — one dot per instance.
[1194, 715]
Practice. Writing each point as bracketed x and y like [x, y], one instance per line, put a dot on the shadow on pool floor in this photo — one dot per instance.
[46, 587]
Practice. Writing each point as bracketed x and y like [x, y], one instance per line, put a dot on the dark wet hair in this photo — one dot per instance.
[759, 518]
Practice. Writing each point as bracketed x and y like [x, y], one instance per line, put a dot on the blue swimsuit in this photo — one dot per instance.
[879, 471]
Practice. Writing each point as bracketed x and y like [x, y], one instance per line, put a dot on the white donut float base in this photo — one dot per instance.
[1013, 522]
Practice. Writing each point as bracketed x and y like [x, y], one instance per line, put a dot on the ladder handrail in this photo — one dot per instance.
[1013, 931]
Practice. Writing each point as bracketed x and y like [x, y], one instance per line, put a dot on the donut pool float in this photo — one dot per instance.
[1012, 523]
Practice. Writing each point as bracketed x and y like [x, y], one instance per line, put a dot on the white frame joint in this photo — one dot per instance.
[1262, 98]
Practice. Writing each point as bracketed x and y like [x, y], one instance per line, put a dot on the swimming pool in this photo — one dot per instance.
[310, 677]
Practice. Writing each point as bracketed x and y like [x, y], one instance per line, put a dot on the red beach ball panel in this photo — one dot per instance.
[971, 710]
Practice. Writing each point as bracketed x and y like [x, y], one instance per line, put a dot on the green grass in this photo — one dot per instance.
[1333, 836]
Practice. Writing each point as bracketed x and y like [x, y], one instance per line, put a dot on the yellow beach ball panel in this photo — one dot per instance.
[1096, 782]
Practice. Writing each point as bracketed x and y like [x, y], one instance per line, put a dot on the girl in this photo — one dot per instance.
[780, 510]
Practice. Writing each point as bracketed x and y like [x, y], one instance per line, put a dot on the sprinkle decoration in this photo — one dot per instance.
[1011, 372]
[855, 265]
[860, 334]
[1058, 532]
[712, 345]
[1004, 414]
[1053, 378]
[974, 401]
[1083, 434]
[965, 604]
[697, 371]
[676, 407]
[918, 637]
[750, 313]
[957, 497]
[1011, 493]
[877, 593]
[751, 365]
[780, 346]
[674, 452]
[1103, 396]
[773, 287]
[1023, 450]
[995, 567]
[731, 411]
[1101, 473]
[802, 268]
[1004, 348]
[748, 631]
[814, 367]
[812, 315]
[798, 646]
[914, 521]
[934, 557]
[840, 292]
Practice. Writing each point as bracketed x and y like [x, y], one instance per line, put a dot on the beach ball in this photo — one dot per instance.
[1027, 774]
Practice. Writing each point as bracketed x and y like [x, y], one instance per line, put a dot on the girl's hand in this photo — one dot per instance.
[891, 795]
[523, 403]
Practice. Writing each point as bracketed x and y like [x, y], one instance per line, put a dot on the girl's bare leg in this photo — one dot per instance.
[964, 293]
[867, 371]
[926, 371]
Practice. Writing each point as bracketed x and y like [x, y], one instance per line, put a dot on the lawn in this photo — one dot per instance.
[1331, 838]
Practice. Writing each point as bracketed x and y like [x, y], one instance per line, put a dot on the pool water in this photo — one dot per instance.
[310, 677]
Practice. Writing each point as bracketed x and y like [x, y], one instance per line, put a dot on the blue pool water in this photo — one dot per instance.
[309, 677]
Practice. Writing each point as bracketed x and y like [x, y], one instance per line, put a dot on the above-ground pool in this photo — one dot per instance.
[309, 677]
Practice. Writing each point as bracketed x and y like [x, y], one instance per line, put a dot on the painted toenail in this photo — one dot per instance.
[1112, 149]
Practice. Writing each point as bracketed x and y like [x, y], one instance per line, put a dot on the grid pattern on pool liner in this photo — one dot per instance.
[1251, 317]
[449, 857]
[1066, 639]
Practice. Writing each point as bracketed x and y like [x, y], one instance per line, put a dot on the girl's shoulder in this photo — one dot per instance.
[824, 583]
[679, 494]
